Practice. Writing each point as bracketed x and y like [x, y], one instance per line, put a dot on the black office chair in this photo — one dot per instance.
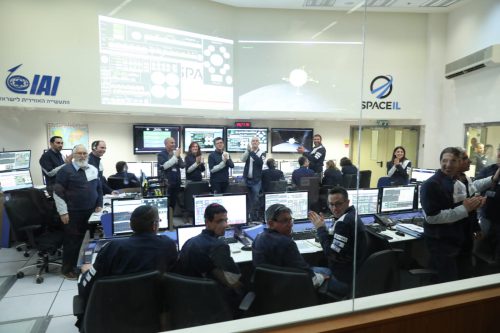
[118, 183]
[237, 188]
[311, 185]
[365, 177]
[281, 289]
[191, 189]
[484, 257]
[125, 304]
[26, 219]
[378, 274]
[277, 186]
[349, 181]
[323, 198]
[194, 301]
[384, 181]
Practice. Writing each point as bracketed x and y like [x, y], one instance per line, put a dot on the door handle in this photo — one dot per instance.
[381, 163]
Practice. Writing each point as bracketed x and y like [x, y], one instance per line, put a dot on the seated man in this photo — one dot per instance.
[144, 251]
[303, 171]
[208, 256]
[271, 174]
[338, 241]
[275, 246]
[122, 178]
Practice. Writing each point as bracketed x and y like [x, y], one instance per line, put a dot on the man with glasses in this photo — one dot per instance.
[275, 246]
[144, 251]
[52, 161]
[338, 240]
[77, 193]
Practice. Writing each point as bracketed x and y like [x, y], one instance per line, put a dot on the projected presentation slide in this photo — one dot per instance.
[15, 160]
[204, 136]
[238, 139]
[148, 65]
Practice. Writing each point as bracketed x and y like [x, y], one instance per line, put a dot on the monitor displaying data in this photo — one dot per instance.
[150, 138]
[148, 65]
[186, 233]
[287, 140]
[121, 210]
[421, 175]
[238, 139]
[204, 136]
[238, 169]
[235, 204]
[15, 180]
[365, 200]
[296, 201]
[397, 198]
[288, 167]
[137, 168]
[15, 160]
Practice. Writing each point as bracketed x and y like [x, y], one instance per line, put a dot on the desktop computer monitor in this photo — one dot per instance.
[288, 167]
[122, 208]
[185, 233]
[421, 175]
[15, 180]
[237, 171]
[235, 204]
[15, 160]
[398, 198]
[365, 200]
[296, 201]
[137, 167]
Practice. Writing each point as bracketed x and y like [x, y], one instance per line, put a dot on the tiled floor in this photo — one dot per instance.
[26, 306]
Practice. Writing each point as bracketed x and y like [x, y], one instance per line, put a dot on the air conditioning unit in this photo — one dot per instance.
[488, 57]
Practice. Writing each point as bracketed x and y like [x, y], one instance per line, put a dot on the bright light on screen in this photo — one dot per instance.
[204, 136]
[148, 65]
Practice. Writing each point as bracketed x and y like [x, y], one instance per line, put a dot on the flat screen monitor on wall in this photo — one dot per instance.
[238, 139]
[287, 140]
[15, 160]
[149, 138]
[203, 135]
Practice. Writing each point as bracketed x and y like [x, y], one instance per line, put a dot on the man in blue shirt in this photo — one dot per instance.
[77, 193]
[219, 163]
[51, 161]
[98, 150]
[252, 173]
[303, 171]
[170, 164]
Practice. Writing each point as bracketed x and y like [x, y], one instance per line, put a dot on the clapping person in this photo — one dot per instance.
[195, 164]
[399, 168]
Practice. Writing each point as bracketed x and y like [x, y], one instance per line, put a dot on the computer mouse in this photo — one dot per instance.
[246, 248]
[399, 233]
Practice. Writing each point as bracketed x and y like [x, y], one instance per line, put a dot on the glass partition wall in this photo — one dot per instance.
[367, 76]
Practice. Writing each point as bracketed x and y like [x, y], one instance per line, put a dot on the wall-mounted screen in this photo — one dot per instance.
[15, 180]
[15, 160]
[203, 135]
[238, 139]
[149, 138]
[147, 65]
[287, 140]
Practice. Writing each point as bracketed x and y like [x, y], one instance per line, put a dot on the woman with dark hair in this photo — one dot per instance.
[194, 163]
[347, 166]
[332, 174]
[399, 168]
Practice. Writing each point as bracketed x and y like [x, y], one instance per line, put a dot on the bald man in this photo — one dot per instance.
[169, 165]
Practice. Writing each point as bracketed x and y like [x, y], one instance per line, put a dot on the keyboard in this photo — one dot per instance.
[229, 240]
[377, 229]
[419, 221]
[303, 235]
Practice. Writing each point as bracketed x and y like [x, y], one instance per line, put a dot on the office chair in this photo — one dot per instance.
[384, 181]
[281, 289]
[118, 183]
[277, 186]
[484, 257]
[191, 189]
[349, 181]
[194, 301]
[311, 185]
[237, 188]
[365, 177]
[25, 218]
[323, 198]
[125, 303]
[378, 274]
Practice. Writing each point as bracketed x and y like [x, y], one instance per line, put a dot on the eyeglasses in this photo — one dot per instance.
[278, 211]
[336, 204]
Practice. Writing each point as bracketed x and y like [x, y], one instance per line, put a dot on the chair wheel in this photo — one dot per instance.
[39, 280]
[18, 249]
[26, 254]
[20, 275]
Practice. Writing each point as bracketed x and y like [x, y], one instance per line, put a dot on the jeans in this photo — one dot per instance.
[334, 285]
[253, 204]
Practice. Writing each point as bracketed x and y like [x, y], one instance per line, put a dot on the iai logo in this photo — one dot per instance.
[40, 84]
[381, 88]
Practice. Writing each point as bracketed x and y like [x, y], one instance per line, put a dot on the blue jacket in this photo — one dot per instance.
[172, 173]
[316, 158]
[299, 173]
[96, 161]
[50, 161]
[196, 174]
[400, 175]
[332, 177]
[222, 175]
[258, 162]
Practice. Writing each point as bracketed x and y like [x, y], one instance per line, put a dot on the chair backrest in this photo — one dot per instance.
[237, 188]
[281, 289]
[378, 274]
[118, 183]
[349, 180]
[277, 186]
[365, 176]
[194, 188]
[126, 303]
[311, 185]
[384, 181]
[195, 301]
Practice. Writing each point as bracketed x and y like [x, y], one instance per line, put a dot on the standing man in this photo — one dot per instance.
[208, 256]
[51, 161]
[317, 156]
[338, 240]
[219, 163]
[98, 149]
[275, 246]
[252, 173]
[480, 159]
[169, 165]
[77, 193]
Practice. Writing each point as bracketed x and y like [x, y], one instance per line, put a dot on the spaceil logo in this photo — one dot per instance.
[40, 84]
[381, 87]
